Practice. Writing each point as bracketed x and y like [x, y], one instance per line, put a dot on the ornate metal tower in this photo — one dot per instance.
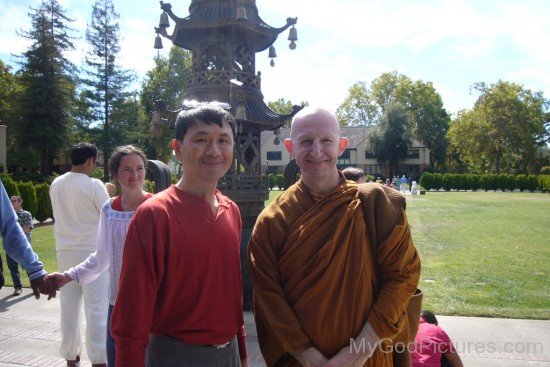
[224, 37]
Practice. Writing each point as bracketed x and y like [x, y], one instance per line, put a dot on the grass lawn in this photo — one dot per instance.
[483, 253]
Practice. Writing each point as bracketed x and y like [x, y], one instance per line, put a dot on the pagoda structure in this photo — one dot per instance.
[224, 37]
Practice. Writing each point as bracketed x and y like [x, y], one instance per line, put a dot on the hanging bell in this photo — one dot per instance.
[158, 43]
[241, 13]
[292, 36]
[164, 23]
[272, 52]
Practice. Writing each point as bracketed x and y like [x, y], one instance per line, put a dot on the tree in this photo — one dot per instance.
[106, 80]
[358, 109]
[282, 106]
[365, 105]
[10, 92]
[504, 130]
[166, 81]
[391, 139]
[48, 87]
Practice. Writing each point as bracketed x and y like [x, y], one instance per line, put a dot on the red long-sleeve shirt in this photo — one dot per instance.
[181, 275]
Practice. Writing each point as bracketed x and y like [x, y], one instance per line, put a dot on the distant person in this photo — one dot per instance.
[17, 246]
[354, 174]
[432, 344]
[77, 200]
[414, 189]
[180, 293]
[24, 218]
[403, 185]
[127, 167]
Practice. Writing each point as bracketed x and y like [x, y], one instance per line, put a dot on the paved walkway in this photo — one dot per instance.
[30, 336]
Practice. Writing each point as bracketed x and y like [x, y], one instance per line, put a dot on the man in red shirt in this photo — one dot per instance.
[180, 294]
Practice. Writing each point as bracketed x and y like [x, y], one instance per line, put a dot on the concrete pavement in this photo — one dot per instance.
[30, 336]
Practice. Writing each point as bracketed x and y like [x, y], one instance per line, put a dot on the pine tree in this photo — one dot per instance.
[106, 80]
[48, 87]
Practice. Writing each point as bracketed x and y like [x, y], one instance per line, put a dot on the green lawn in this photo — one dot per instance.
[483, 253]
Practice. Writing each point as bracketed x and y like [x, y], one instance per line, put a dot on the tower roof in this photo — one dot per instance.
[209, 18]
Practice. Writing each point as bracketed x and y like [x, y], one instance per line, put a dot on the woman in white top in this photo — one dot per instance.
[127, 166]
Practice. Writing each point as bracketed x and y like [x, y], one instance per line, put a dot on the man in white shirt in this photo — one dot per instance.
[76, 201]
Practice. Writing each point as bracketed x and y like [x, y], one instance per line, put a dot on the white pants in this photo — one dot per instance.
[95, 297]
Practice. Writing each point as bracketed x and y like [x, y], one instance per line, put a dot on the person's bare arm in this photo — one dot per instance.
[454, 359]
[310, 357]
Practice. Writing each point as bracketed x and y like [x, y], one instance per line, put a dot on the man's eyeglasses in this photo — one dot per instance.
[193, 103]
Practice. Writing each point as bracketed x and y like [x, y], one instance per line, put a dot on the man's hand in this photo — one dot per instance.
[58, 279]
[44, 286]
[351, 356]
[310, 357]
[345, 358]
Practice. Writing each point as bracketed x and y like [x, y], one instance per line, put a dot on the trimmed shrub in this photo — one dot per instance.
[279, 181]
[28, 194]
[544, 183]
[34, 177]
[532, 183]
[271, 181]
[426, 180]
[447, 182]
[10, 186]
[44, 204]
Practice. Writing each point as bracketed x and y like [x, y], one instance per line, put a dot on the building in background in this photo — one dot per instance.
[274, 157]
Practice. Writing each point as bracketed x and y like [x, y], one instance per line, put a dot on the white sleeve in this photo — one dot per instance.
[91, 268]
[100, 194]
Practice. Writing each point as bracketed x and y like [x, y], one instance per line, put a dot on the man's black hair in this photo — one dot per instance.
[208, 114]
[429, 317]
[81, 152]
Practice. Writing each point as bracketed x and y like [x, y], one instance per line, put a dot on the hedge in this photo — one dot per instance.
[44, 203]
[453, 181]
[28, 194]
[10, 186]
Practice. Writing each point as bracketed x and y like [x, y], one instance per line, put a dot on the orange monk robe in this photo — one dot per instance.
[313, 275]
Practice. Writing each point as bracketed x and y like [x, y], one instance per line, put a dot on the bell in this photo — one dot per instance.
[158, 42]
[272, 52]
[240, 114]
[241, 13]
[164, 23]
[293, 34]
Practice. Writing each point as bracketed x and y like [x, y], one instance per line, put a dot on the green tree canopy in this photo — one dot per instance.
[365, 105]
[504, 130]
[106, 80]
[391, 139]
[167, 82]
[48, 86]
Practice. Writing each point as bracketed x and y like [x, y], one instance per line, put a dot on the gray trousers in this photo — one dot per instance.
[165, 351]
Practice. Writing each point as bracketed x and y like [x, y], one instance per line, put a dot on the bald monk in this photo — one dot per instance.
[317, 299]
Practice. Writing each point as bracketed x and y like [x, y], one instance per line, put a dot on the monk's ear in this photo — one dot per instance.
[289, 147]
[342, 145]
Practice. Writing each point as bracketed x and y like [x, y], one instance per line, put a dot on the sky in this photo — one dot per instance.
[451, 43]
